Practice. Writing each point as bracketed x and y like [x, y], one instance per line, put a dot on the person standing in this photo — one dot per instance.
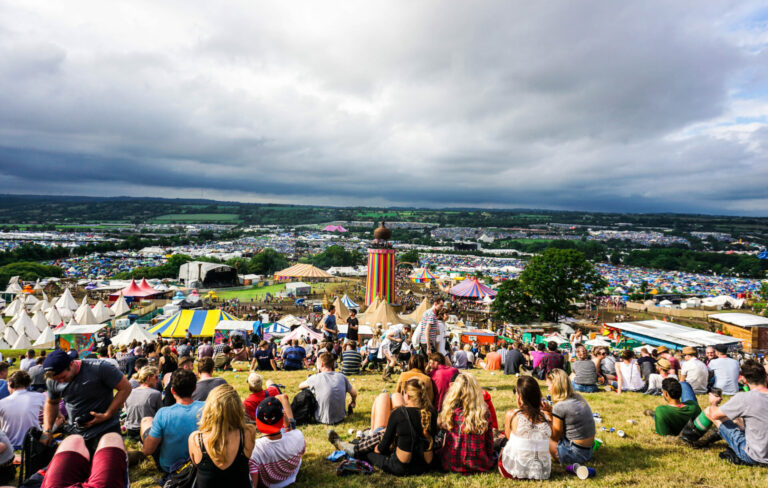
[330, 329]
[430, 327]
[353, 326]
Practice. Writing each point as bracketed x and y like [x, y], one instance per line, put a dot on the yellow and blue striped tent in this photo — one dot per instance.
[201, 323]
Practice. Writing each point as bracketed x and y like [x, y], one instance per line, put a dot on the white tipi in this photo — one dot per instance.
[22, 343]
[120, 307]
[41, 323]
[84, 315]
[53, 317]
[66, 301]
[46, 340]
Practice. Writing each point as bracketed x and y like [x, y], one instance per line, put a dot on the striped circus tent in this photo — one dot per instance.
[201, 323]
[422, 275]
[348, 302]
[471, 288]
[301, 271]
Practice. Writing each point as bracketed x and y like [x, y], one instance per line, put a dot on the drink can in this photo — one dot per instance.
[571, 468]
[620, 433]
[598, 420]
[611, 430]
[598, 443]
[633, 422]
[351, 431]
[584, 472]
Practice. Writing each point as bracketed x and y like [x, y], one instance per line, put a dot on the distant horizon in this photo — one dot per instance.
[399, 207]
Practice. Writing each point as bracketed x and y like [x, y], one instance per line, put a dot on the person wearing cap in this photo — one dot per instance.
[665, 353]
[87, 387]
[680, 406]
[663, 371]
[693, 371]
[276, 457]
[330, 390]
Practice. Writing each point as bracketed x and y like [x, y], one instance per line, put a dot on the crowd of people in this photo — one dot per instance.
[166, 397]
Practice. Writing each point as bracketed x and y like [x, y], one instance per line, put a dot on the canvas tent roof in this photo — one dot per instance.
[416, 315]
[133, 290]
[302, 270]
[277, 329]
[471, 288]
[120, 307]
[248, 325]
[674, 336]
[84, 315]
[201, 323]
[348, 302]
[101, 312]
[46, 340]
[290, 321]
[79, 329]
[342, 312]
[66, 301]
[53, 317]
[22, 343]
[133, 333]
[384, 315]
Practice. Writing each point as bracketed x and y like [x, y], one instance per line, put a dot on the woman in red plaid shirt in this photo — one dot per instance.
[465, 417]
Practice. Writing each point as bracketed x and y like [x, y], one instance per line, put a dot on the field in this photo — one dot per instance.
[640, 459]
[197, 218]
[258, 293]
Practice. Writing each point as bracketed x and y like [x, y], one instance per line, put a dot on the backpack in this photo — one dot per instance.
[34, 455]
[304, 406]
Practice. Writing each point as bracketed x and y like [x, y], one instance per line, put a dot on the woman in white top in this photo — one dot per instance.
[528, 429]
[628, 376]
[442, 318]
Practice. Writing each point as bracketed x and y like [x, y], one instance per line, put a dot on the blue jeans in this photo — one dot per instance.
[688, 394]
[569, 453]
[585, 388]
[734, 436]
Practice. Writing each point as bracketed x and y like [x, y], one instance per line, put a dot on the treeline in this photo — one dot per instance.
[674, 259]
[28, 272]
[593, 250]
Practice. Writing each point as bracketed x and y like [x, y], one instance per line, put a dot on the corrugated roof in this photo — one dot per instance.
[674, 333]
[741, 319]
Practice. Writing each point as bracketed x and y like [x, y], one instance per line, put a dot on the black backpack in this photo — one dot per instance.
[34, 455]
[304, 407]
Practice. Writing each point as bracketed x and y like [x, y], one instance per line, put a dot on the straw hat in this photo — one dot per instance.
[690, 351]
[664, 364]
[662, 349]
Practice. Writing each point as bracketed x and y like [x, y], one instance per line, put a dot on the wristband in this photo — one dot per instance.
[292, 423]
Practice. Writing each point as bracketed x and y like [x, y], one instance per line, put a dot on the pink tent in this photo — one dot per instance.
[133, 290]
[146, 286]
[334, 228]
[471, 288]
[302, 331]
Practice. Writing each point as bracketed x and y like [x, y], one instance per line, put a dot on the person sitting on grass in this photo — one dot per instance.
[416, 367]
[276, 457]
[7, 468]
[223, 361]
[264, 358]
[493, 359]
[628, 376]
[330, 390]
[144, 401]
[72, 464]
[584, 372]
[663, 371]
[207, 382]
[165, 435]
[409, 424]
[351, 360]
[528, 431]
[441, 375]
[468, 446]
[573, 426]
[680, 407]
[293, 356]
[258, 394]
[743, 420]
[222, 446]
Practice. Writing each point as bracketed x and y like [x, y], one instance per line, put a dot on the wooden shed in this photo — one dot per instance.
[752, 329]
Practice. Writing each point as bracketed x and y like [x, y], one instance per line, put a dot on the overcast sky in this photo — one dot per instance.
[611, 106]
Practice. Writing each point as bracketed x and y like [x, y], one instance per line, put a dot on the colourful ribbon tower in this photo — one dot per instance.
[382, 260]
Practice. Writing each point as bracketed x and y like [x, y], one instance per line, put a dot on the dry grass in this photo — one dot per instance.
[642, 458]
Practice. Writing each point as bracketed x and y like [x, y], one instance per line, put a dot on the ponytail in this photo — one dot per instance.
[417, 391]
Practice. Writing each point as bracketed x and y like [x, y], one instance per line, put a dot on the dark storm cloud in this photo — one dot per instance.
[575, 105]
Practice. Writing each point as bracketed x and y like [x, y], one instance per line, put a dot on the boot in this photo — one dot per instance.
[690, 434]
[387, 377]
[709, 437]
[340, 445]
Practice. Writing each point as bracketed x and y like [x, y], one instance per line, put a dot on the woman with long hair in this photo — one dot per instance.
[409, 424]
[628, 375]
[526, 454]
[168, 361]
[468, 446]
[144, 401]
[222, 445]
[573, 426]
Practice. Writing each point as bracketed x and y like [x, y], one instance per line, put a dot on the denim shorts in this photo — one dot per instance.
[734, 436]
[585, 388]
[570, 453]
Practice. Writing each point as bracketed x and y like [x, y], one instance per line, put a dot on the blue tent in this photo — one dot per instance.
[348, 302]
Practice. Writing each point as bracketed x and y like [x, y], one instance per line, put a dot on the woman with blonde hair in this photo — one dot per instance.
[144, 401]
[409, 423]
[573, 426]
[222, 445]
[468, 446]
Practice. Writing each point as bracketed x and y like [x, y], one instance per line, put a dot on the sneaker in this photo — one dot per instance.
[730, 455]
[335, 440]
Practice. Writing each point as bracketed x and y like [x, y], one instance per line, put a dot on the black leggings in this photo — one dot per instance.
[392, 465]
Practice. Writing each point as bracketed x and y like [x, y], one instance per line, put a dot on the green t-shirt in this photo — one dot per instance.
[671, 420]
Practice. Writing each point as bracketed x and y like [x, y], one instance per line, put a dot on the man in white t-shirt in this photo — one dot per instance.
[694, 371]
[28, 361]
[21, 409]
[276, 457]
[725, 371]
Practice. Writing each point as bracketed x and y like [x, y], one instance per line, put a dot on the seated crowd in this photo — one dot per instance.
[438, 417]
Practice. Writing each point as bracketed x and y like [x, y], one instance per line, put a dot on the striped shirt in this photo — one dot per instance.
[350, 362]
[429, 318]
[277, 462]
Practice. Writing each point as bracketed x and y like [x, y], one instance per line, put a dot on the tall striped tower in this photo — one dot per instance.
[382, 260]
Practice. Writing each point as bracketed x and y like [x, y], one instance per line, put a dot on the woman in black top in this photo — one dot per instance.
[408, 442]
[168, 362]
